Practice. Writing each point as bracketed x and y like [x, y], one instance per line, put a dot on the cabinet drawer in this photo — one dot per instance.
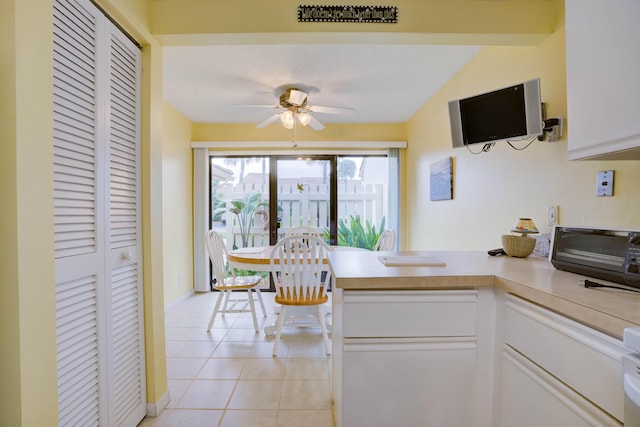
[531, 397]
[410, 313]
[584, 359]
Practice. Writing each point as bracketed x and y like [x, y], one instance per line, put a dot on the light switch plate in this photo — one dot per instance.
[604, 183]
[552, 216]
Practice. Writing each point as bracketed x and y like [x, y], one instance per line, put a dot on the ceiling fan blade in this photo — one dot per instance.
[329, 110]
[268, 121]
[255, 106]
[315, 124]
[293, 107]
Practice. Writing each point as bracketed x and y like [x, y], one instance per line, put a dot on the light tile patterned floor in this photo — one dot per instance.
[228, 377]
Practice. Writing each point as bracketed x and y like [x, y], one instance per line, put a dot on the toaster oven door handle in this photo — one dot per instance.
[590, 284]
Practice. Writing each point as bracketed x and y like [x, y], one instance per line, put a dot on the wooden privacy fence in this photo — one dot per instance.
[308, 206]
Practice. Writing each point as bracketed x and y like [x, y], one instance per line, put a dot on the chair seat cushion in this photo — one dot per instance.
[286, 297]
[239, 282]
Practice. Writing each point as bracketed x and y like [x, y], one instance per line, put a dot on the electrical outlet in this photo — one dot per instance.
[552, 215]
[604, 183]
[554, 132]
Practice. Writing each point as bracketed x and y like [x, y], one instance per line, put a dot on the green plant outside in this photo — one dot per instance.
[356, 234]
[218, 209]
[245, 210]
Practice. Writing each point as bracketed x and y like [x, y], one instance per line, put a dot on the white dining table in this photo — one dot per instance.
[258, 258]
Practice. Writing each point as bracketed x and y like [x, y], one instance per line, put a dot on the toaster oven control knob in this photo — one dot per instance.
[634, 240]
[633, 268]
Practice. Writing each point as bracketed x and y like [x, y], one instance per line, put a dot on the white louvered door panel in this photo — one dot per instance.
[78, 353]
[127, 351]
[99, 326]
[78, 224]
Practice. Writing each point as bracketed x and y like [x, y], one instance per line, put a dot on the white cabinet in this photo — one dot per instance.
[531, 397]
[556, 371]
[409, 382]
[603, 65]
[405, 357]
[473, 358]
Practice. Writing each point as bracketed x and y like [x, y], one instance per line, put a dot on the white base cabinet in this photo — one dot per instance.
[409, 382]
[557, 372]
[406, 358]
[531, 397]
[472, 358]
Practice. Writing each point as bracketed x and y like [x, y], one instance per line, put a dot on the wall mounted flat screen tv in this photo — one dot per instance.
[511, 113]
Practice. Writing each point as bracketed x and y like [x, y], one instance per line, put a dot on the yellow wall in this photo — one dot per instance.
[436, 21]
[27, 380]
[332, 132]
[10, 399]
[28, 385]
[177, 204]
[493, 189]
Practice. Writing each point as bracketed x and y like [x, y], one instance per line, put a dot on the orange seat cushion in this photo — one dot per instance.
[291, 298]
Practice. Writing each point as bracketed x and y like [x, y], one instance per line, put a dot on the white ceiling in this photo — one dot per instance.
[383, 83]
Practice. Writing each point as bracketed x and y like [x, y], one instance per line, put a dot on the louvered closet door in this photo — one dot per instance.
[96, 204]
[128, 396]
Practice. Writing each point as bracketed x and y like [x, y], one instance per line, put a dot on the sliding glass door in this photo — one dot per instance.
[303, 194]
[363, 189]
[255, 200]
[239, 203]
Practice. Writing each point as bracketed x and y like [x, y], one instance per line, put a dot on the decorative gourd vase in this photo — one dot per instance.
[518, 246]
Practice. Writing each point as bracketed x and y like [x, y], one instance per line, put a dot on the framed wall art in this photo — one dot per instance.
[441, 179]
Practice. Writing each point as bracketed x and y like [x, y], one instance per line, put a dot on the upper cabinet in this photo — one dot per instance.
[603, 78]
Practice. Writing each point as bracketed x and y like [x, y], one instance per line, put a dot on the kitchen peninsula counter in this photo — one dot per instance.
[532, 278]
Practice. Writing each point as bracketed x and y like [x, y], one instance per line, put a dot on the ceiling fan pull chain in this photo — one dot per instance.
[293, 136]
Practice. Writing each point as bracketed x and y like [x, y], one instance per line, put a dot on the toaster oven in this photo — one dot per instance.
[612, 255]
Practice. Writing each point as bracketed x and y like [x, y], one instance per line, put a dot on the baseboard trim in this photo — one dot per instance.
[179, 300]
[155, 408]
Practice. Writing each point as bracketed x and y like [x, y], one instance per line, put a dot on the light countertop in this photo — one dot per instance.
[531, 278]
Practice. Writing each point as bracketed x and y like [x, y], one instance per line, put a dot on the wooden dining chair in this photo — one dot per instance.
[386, 241]
[304, 231]
[302, 276]
[226, 283]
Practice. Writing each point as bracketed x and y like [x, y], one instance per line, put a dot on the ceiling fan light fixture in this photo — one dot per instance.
[304, 118]
[296, 97]
[287, 119]
[293, 107]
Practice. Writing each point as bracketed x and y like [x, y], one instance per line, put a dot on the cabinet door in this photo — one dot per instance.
[581, 357]
[409, 382]
[603, 65]
[531, 397]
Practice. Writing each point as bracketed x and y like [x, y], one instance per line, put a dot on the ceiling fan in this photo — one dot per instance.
[293, 107]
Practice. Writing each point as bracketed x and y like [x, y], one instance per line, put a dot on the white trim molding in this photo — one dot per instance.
[200, 219]
[336, 145]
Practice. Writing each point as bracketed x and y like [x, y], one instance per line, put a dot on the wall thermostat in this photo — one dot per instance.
[604, 184]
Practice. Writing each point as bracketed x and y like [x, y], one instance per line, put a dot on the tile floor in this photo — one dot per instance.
[228, 377]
